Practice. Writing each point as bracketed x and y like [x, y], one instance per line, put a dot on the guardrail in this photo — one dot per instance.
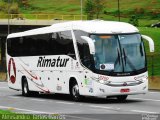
[43, 17]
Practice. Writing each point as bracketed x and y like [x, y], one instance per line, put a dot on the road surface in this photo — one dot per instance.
[136, 107]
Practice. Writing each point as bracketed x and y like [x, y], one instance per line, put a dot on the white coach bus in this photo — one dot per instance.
[80, 58]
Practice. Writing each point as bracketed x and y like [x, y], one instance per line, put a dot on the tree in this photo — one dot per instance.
[93, 7]
[134, 20]
[89, 9]
[24, 3]
[99, 5]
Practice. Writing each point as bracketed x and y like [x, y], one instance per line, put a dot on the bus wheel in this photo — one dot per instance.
[75, 92]
[122, 98]
[25, 89]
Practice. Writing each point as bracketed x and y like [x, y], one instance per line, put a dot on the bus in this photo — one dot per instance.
[82, 58]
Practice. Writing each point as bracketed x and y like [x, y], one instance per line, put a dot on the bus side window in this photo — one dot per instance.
[83, 49]
[64, 44]
[15, 46]
[9, 47]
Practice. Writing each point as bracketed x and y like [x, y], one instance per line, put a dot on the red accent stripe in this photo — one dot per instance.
[35, 77]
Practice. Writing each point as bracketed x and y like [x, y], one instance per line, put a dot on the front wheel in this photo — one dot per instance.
[75, 92]
[122, 98]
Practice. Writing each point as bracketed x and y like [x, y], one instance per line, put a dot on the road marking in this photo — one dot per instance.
[155, 92]
[38, 100]
[110, 108]
[140, 111]
[81, 118]
[3, 87]
[65, 103]
[16, 97]
[146, 99]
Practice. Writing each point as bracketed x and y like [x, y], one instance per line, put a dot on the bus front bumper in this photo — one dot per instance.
[105, 90]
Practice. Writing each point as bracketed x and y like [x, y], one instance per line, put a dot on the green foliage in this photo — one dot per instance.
[5, 0]
[134, 20]
[5, 112]
[99, 5]
[12, 5]
[14, 9]
[93, 7]
[89, 9]
[147, 11]
[23, 3]
[154, 34]
[3, 7]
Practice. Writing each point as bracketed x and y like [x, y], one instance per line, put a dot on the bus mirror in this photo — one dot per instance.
[151, 42]
[90, 43]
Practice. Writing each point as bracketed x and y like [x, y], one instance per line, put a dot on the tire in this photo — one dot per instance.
[25, 89]
[75, 92]
[122, 98]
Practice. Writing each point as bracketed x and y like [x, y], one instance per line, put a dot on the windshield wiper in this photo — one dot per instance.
[127, 60]
[118, 58]
[124, 56]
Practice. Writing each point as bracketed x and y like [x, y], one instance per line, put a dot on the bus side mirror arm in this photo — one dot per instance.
[90, 43]
[151, 42]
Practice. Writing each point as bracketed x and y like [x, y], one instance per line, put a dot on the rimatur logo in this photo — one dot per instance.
[12, 70]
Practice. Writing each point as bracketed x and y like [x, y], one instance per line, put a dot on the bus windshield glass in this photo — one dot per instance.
[119, 53]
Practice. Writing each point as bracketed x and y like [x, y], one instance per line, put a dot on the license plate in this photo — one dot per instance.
[125, 90]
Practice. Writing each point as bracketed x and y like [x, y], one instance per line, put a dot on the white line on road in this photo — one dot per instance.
[81, 118]
[38, 100]
[110, 108]
[3, 87]
[27, 98]
[146, 99]
[155, 92]
[140, 111]
[65, 103]
[16, 97]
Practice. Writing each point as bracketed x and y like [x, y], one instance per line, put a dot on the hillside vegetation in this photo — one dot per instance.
[147, 11]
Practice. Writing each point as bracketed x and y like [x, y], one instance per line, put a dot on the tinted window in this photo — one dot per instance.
[29, 45]
[83, 49]
[63, 44]
[45, 44]
[14, 46]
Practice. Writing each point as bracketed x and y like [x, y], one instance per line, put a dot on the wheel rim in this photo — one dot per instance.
[75, 91]
[25, 88]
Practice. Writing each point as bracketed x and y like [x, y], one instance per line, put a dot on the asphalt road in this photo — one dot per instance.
[136, 107]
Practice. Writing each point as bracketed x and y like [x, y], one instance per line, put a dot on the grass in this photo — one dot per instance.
[9, 115]
[145, 9]
[154, 33]
[5, 112]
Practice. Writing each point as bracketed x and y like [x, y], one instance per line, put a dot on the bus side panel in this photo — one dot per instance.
[13, 73]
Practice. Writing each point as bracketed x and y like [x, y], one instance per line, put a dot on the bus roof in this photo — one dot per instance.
[92, 26]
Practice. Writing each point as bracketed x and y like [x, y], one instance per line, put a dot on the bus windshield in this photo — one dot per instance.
[119, 53]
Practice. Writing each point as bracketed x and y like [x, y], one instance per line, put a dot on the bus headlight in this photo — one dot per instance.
[103, 82]
[144, 79]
